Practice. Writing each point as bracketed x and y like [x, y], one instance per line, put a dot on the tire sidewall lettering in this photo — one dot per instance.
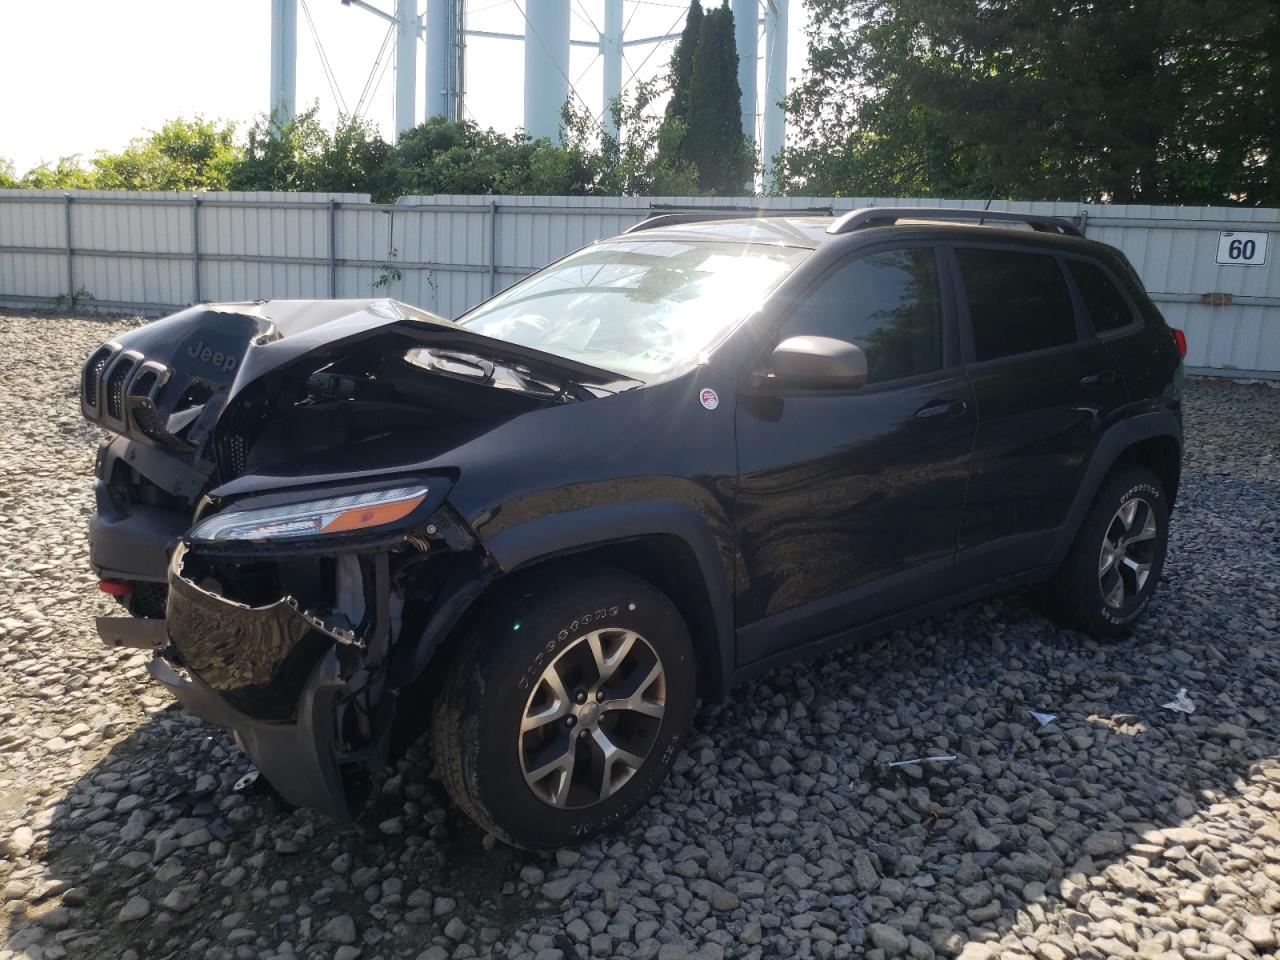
[548, 651]
[1135, 490]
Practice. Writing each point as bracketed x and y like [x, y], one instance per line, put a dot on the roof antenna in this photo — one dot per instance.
[987, 206]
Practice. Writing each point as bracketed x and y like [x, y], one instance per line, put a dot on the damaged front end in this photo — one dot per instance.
[304, 650]
[273, 500]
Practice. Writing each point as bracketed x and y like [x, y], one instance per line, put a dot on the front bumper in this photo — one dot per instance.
[132, 543]
[271, 674]
[304, 655]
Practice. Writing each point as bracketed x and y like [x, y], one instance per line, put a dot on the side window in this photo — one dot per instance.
[888, 303]
[1107, 307]
[1018, 302]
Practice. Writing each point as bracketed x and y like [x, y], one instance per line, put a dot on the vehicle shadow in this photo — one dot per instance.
[785, 797]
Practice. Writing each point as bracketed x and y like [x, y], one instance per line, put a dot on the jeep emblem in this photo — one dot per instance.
[226, 362]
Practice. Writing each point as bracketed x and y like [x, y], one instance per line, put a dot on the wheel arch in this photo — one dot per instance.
[667, 543]
[1162, 455]
[1152, 440]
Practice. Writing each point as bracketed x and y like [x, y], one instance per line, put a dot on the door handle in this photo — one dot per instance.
[1098, 377]
[942, 408]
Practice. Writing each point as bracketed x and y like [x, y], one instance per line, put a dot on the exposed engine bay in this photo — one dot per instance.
[271, 512]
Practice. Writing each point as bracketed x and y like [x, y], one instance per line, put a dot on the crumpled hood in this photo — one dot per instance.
[153, 382]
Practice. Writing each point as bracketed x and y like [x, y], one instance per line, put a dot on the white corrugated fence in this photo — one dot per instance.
[157, 252]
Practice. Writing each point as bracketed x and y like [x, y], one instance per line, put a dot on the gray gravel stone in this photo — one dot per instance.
[135, 909]
[889, 939]
[1260, 931]
[339, 929]
[1120, 829]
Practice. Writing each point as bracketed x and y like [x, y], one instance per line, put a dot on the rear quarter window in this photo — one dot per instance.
[1107, 306]
[1018, 301]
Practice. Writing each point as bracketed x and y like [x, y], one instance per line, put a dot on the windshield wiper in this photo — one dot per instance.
[561, 388]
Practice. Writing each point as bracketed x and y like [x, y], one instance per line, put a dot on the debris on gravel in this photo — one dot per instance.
[1121, 829]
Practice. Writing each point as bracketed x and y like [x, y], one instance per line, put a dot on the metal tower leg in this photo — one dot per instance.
[745, 23]
[406, 64]
[546, 66]
[775, 91]
[284, 61]
[611, 52]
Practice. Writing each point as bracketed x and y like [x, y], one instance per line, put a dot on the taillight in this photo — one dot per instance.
[117, 588]
[1180, 339]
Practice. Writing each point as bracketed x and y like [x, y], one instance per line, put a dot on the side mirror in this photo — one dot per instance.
[819, 362]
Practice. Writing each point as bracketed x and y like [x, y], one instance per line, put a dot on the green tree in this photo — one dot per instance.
[355, 159]
[713, 140]
[642, 159]
[285, 160]
[682, 64]
[7, 177]
[1144, 101]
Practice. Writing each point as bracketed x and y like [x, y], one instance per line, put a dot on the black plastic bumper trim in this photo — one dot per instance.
[297, 758]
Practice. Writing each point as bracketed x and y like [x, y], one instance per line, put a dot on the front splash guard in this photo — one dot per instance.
[299, 758]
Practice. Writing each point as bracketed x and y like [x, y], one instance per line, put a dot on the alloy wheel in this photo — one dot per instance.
[1128, 550]
[592, 718]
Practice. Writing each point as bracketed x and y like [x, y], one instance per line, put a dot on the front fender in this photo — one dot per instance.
[575, 531]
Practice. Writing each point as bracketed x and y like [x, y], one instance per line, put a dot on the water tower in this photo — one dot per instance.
[547, 39]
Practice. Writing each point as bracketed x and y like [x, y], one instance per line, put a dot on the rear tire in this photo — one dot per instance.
[566, 708]
[1115, 563]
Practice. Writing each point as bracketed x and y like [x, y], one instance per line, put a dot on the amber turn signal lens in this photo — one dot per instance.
[375, 516]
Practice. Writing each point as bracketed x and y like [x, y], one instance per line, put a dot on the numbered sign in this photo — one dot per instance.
[1242, 249]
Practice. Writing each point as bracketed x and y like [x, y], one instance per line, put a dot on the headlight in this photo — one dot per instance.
[313, 518]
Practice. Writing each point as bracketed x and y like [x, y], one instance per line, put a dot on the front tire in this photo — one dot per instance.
[1115, 563]
[566, 708]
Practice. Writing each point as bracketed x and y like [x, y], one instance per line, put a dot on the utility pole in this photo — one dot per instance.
[284, 61]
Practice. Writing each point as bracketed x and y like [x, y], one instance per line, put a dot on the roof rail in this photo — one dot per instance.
[678, 217]
[882, 216]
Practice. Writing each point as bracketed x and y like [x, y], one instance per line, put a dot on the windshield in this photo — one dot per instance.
[636, 306]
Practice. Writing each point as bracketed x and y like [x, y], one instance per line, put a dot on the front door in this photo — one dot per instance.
[849, 500]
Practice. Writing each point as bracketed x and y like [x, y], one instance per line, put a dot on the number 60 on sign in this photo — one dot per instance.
[1242, 249]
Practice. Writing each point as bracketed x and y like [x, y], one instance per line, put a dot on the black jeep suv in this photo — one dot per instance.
[663, 464]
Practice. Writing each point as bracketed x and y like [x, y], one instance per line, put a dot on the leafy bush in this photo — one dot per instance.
[63, 174]
[443, 157]
[644, 159]
[181, 155]
[434, 157]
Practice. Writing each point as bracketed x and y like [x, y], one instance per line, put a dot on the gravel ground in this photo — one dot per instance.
[1120, 829]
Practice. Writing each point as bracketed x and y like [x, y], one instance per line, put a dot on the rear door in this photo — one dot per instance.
[849, 500]
[1045, 388]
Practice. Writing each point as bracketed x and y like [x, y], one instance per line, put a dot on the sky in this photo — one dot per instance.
[78, 76]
